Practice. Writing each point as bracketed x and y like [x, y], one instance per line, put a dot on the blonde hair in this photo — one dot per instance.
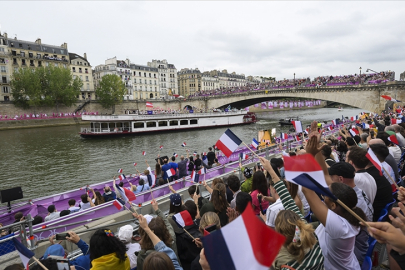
[208, 219]
[286, 222]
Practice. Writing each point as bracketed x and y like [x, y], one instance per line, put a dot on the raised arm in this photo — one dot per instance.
[207, 187]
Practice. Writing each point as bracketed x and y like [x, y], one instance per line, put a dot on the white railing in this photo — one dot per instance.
[104, 130]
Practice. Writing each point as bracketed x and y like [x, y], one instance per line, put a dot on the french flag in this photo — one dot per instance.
[195, 153]
[395, 121]
[243, 156]
[284, 136]
[330, 128]
[202, 171]
[183, 219]
[365, 126]
[393, 139]
[183, 144]
[354, 118]
[118, 204]
[161, 147]
[121, 177]
[119, 170]
[228, 143]
[135, 164]
[170, 172]
[255, 248]
[175, 155]
[303, 170]
[334, 122]
[194, 176]
[353, 132]
[149, 105]
[255, 143]
[25, 253]
[297, 126]
[144, 153]
[126, 194]
[297, 138]
[204, 153]
[374, 160]
[389, 98]
[306, 131]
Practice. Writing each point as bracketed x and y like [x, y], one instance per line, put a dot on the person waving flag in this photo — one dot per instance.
[228, 143]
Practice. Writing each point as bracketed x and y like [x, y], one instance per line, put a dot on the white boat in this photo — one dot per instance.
[340, 109]
[132, 123]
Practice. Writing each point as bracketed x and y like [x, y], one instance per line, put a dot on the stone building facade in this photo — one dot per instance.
[81, 68]
[167, 77]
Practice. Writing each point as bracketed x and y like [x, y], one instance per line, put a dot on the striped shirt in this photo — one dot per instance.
[313, 260]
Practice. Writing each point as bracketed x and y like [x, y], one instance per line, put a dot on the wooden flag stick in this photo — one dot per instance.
[151, 193]
[43, 266]
[188, 233]
[132, 207]
[351, 212]
[395, 183]
[251, 150]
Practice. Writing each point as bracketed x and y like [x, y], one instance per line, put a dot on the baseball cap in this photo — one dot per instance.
[343, 169]
[54, 250]
[175, 199]
[125, 233]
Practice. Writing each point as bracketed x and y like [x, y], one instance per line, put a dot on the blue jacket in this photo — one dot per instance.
[161, 247]
[82, 262]
[110, 197]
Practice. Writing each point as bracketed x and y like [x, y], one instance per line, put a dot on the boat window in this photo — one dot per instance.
[139, 125]
[162, 123]
[174, 123]
[118, 125]
[104, 125]
[193, 122]
[183, 122]
[150, 124]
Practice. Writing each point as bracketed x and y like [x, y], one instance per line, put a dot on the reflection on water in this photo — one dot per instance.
[44, 161]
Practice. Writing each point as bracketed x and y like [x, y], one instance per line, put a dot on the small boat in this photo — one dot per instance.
[287, 121]
[340, 109]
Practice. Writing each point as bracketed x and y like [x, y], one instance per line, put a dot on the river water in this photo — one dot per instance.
[45, 161]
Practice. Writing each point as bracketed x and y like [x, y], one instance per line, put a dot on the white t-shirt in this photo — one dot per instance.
[304, 201]
[337, 241]
[145, 177]
[366, 182]
[84, 206]
[363, 202]
[335, 156]
[272, 212]
[131, 249]
[395, 151]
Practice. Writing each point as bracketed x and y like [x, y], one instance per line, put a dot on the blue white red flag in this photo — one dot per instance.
[297, 138]
[170, 172]
[175, 155]
[374, 160]
[228, 143]
[194, 177]
[354, 132]
[284, 136]
[183, 219]
[195, 153]
[330, 128]
[121, 177]
[183, 144]
[389, 98]
[255, 248]
[161, 147]
[118, 204]
[243, 156]
[202, 171]
[135, 164]
[334, 122]
[395, 121]
[119, 170]
[126, 194]
[144, 153]
[25, 253]
[297, 126]
[365, 126]
[255, 143]
[303, 170]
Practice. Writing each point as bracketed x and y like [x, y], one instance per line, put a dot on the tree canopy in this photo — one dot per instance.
[111, 91]
[49, 86]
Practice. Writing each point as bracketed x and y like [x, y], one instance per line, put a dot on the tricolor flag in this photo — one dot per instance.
[119, 170]
[365, 126]
[228, 143]
[330, 128]
[204, 153]
[121, 177]
[135, 164]
[183, 219]
[373, 159]
[202, 171]
[175, 155]
[149, 105]
[334, 122]
[161, 147]
[395, 121]
[305, 171]
[255, 143]
[126, 194]
[194, 177]
[170, 172]
[353, 132]
[118, 204]
[306, 131]
[195, 153]
[255, 248]
[184, 144]
[243, 156]
[25, 253]
[393, 138]
[284, 136]
[297, 138]
[389, 98]
[297, 126]
[144, 153]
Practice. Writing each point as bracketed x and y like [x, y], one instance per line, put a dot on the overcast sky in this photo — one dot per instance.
[253, 38]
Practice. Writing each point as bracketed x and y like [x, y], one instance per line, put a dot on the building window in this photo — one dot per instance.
[151, 96]
[140, 74]
[85, 70]
[6, 98]
[5, 89]
[3, 69]
[87, 78]
[80, 70]
[150, 75]
[88, 86]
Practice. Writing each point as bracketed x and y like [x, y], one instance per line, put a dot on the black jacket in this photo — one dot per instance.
[186, 248]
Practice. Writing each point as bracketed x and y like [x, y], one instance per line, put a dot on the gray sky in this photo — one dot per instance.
[254, 38]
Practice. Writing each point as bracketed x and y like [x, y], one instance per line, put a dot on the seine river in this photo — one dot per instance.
[45, 161]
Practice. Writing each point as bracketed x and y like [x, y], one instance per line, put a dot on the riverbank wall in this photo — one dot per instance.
[38, 123]
[260, 110]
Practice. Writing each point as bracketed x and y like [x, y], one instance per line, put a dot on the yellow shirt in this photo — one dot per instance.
[109, 262]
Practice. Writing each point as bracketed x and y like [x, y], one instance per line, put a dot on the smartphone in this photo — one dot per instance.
[63, 264]
[62, 236]
[211, 228]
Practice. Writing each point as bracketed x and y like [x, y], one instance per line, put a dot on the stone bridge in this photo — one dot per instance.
[366, 97]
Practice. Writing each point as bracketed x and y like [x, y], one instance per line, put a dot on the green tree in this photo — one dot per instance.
[26, 88]
[111, 91]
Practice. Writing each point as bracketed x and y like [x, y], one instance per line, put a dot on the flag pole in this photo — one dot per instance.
[188, 233]
[395, 183]
[250, 150]
[351, 212]
[43, 266]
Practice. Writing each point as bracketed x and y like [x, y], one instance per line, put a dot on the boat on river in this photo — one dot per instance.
[287, 121]
[135, 124]
[340, 109]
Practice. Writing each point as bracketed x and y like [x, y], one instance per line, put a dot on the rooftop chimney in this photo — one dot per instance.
[5, 35]
[38, 41]
[85, 56]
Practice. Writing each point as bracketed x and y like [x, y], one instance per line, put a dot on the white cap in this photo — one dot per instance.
[148, 218]
[125, 233]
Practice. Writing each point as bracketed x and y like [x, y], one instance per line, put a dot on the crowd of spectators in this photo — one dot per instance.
[36, 116]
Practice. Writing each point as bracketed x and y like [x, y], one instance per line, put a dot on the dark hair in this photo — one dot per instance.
[18, 216]
[277, 161]
[341, 147]
[158, 260]
[348, 196]
[99, 198]
[176, 209]
[326, 151]
[121, 184]
[51, 208]
[141, 182]
[157, 225]
[357, 138]
[218, 197]
[16, 266]
[350, 141]
[242, 200]
[49, 263]
[161, 182]
[292, 154]
[192, 189]
[158, 169]
[64, 213]
[259, 183]
[84, 198]
[380, 150]
[191, 158]
[37, 220]
[292, 188]
[72, 202]
[191, 207]
[357, 155]
[384, 136]
[233, 182]
[101, 244]
[173, 158]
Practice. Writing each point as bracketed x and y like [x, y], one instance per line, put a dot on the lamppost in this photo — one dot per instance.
[294, 79]
[360, 75]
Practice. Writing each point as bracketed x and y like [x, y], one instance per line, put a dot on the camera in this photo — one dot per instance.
[62, 236]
